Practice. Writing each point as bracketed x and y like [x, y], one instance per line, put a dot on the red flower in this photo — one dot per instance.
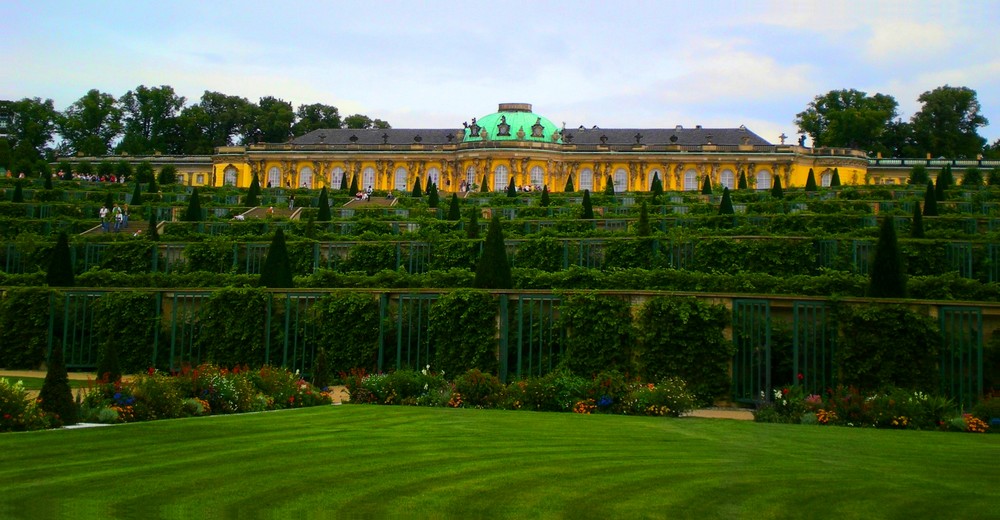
[801, 377]
[784, 391]
[151, 371]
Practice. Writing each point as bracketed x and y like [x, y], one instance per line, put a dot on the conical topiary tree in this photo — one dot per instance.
[917, 222]
[253, 193]
[417, 191]
[167, 175]
[642, 227]
[485, 186]
[811, 181]
[930, 201]
[136, 196]
[706, 186]
[276, 271]
[588, 209]
[343, 182]
[18, 192]
[427, 184]
[48, 181]
[887, 277]
[472, 230]
[153, 234]
[60, 273]
[741, 184]
[545, 196]
[432, 195]
[918, 175]
[151, 188]
[324, 206]
[569, 184]
[511, 188]
[609, 187]
[939, 186]
[776, 190]
[454, 212]
[835, 178]
[493, 269]
[354, 184]
[56, 396]
[973, 178]
[656, 186]
[193, 212]
[726, 206]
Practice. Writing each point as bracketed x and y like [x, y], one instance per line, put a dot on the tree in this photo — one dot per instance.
[85, 168]
[66, 169]
[144, 172]
[136, 195]
[193, 212]
[835, 179]
[314, 117]
[588, 209]
[811, 181]
[216, 120]
[642, 227]
[917, 222]
[848, 119]
[60, 272]
[485, 186]
[153, 235]
[324, 206]
[417, 191]
[432, 195]
[545, 196]
[47, 181]
[6, 161]
[511, 189]
[706, 186]
[167, 175]
[776, 190]
[150, 120]
[569, 184]
[943, 181]
[930, 201]
[742, 183]
[947, 123]
[454, 212]
[609, 187]
[993, 179]
[56, 396]
[888, 279]
[472, 230]
[354, 184]
[18, 192]
[105, 168]
[109, 201]
[31, 128]
[276, 271]
[343, 182]
[91, 124]
[493, 270]
[918, 175]
[656, 186]
[973, 177]
[363, 121]
[726, 206]
[123, 169]
[253, 193]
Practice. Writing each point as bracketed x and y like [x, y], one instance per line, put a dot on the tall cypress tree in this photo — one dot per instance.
[917, 222]
[511, 188]
[888, 279]
[569, 184]
[136, 195]
[776, 190]
[193, 212]
[930, 201]
[324, 206]
[656, 186]
[726, 206]
[354, 184]
[485, 186]
[427, 184]
[153, 235]
[253, 194]
[18, 192]
[432, 195]
[48, 180]
[417, 191]
[343, 182]
[642, 227]
[276, 271]
[835, 179]
[706, 186]
[742, 183]
[493, 270]
[811, 181]
[472, 230]
[56, 396]
[60, 273]
[609, 187]
[545, 196]
[588, 209]
[942, 183]
[454, 212]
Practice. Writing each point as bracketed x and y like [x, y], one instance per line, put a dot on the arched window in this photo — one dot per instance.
[367, 178]
[657, 174]
[500, 178]
[825, 179]
[727, 179]
[273, 177]
[306, 177]
[401, 179]
[229, 176]
[537, 177]
[470, 176]
[621, 181]
[691, 180]
[337, 177]
[434, 175]
[763, 180]
[587, 179]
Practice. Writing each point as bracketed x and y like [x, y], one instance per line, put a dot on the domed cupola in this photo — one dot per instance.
[512, 122]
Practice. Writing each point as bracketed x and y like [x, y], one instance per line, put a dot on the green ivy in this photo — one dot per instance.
[346, 325]
[232, 327]
[463, 330]
[599, 333]
[127, 321]
[24, 327]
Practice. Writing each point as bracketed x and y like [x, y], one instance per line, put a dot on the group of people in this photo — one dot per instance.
[364, 195]
[115, 218]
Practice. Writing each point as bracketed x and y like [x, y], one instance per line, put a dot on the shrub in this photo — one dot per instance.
[599, 333]
[18, 411]
[669, 397]
[479, 390]
[462, 329]
[346, 325]
[56, 398]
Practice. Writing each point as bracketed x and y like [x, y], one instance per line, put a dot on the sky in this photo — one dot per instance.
[435, 64]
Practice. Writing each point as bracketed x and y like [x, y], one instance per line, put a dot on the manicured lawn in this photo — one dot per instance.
[379, 462]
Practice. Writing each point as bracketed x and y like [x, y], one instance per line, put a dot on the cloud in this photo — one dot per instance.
[906, 40]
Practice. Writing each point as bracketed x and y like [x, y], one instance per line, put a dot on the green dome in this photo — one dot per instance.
[508, 123]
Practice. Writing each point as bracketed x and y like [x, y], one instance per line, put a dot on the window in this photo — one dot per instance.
[368, 178]
[691, 180]
[500, 178]
[470, 176]
[273, 177]
[763, 180]
[434, 175]
[825, 179]
[401, 179]
[306, 177]
[229, 176]
[727, 179]
[336, 177]
[586, 179]
[537, 177]
[200, 179]
[621, 181]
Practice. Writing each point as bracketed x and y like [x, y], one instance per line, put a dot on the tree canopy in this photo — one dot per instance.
[948, 122]
[849, 119]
